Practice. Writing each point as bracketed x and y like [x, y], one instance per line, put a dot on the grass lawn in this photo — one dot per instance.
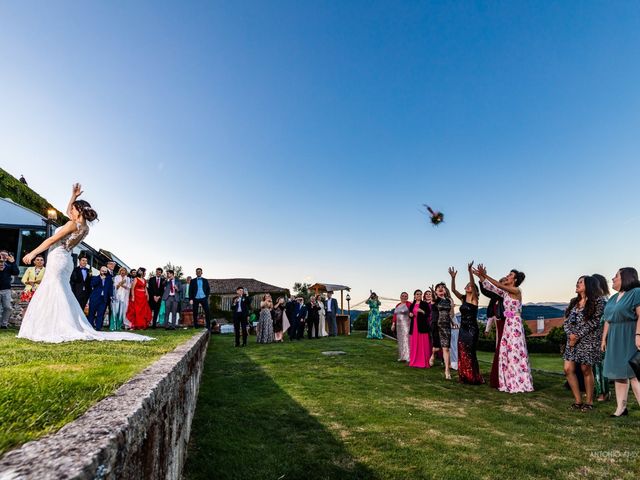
[285, 411]
[44, 386]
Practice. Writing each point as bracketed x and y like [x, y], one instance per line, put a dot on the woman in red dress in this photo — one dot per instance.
[138, 311]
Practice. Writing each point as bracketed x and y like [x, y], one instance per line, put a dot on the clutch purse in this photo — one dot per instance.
[634, 363]
[26, 296]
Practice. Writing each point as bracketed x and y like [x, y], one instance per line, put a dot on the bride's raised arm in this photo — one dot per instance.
[76, 191]
[64, 231]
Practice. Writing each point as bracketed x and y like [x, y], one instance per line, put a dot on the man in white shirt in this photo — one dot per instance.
[331, 309]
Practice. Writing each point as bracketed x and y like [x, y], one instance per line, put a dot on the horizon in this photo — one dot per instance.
[297, 142]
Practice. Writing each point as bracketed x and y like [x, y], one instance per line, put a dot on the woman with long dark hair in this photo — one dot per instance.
[374, 328]
[582, 326]
[139, 312]
[514, 372]
[601, 382]
[621, 336]
[444, 306]
[419, 343]
[468, 366]
[495, 315]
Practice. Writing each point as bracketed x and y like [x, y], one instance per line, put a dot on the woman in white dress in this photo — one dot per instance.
[322, 314]
[120, 301]
[54, 315]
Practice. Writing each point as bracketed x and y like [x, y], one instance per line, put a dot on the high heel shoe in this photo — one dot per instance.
[624, 413]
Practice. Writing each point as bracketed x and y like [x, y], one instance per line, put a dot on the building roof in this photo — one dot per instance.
[227, 286]
[328, 287]
[12, 213]
[549, 323]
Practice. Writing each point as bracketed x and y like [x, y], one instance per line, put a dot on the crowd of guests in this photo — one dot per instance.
[126, 299]
[133, 302]
[603, 334]
[291, 316]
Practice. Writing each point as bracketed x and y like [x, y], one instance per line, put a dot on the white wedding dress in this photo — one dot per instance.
[54, 315]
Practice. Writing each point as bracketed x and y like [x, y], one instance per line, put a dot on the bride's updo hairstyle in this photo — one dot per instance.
[84, 208]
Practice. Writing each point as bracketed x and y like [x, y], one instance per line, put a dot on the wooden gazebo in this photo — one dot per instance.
[344, 323]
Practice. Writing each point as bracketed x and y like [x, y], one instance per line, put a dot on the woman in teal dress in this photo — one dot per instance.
[375, 324]
[621, 336]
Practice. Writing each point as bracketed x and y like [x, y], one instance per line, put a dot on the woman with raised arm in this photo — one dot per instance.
[54, 315]
[400, 325]
[514, 372]
[621, 336]
[419, 342]
[429, 297]
[374, 329]
[444, 306]
[468, 366]
[265, 321]
[495, 314]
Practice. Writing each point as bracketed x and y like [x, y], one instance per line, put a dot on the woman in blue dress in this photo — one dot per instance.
[621, 336]
[375, 324]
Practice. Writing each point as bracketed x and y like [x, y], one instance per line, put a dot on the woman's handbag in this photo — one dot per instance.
[634, 363]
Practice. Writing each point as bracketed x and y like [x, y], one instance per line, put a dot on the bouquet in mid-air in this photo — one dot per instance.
[435, 217]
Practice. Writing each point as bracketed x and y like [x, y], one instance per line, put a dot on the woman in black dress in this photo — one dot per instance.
[429, 295]
[468, 367]
[277, 316]
[444, 306]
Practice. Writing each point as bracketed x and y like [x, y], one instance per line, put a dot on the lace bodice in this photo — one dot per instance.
[73, 239]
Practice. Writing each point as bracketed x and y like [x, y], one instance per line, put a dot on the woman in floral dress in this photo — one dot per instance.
[514, 373]
[265, 322]
[375, 325]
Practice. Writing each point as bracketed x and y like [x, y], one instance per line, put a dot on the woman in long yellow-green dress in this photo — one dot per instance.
[375, 324]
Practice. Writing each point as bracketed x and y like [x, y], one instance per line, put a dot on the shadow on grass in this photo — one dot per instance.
[247, 427]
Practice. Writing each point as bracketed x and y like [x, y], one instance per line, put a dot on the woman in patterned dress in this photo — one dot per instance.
[514, 372]
[444, 306]
[265, 321]
[374, 324]
[582, 326]
[400, 325]
[468, 366]
[601, 382]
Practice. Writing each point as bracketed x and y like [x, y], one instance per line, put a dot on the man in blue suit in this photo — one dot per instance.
[301, 317]
[101, 292]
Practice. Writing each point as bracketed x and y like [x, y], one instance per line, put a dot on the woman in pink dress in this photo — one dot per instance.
[419, 341]
[514, 371]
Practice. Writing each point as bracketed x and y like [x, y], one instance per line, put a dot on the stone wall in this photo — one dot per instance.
[140, 432]
[18, 307]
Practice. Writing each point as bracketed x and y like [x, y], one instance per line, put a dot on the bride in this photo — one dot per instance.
[54, 315]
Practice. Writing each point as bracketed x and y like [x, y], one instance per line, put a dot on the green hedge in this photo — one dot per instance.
[11, 187]
[534, 345]
[361, 321]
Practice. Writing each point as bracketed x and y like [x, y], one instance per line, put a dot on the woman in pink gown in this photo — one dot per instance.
[419, 340]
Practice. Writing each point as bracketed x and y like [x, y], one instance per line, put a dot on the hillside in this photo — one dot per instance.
[11, 187]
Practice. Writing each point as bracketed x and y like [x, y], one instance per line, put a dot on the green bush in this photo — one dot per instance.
[386, 326]
[361, 322]
[557, 336]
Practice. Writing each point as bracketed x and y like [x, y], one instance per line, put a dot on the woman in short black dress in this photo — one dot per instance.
[444, 305]
[277, 316]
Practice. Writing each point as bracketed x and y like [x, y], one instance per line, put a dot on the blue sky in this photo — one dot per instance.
[291, 141]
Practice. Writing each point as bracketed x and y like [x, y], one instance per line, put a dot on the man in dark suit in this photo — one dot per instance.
[101, 291]
[155, 287]
[81, 282]
[240, 308]
[301, 317]
[172, 296]
[331, 310]
[290, 309]
[199, 292]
